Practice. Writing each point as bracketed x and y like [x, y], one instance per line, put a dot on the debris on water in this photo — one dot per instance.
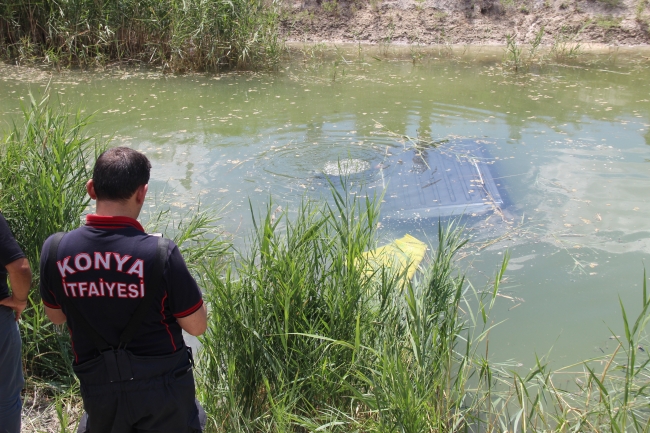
[345, 167]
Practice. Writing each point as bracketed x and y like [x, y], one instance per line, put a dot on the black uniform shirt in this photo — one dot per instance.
[104, 267]
[9, 253]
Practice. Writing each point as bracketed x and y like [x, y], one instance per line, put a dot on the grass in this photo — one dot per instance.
[43, 169]
[565, 43]
[303, 337]
[174, 34]
[608, 22]
[306, 335]
[515, 58]
[610, 3]
[641, 5]
[331, 6]
[608, 393]
[45, 161]
[302, 279]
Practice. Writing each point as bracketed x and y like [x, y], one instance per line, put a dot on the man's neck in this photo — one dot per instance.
[118, 208]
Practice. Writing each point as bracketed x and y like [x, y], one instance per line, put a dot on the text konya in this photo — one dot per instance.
[84, 262]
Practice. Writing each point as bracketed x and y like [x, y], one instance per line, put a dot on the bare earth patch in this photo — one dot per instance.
[611, 22]
[42, 413]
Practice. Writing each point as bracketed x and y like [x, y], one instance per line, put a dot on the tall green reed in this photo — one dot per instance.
[607, 393]
[175, 34]
[45, 162]
[303, 277]
[46, 159]
[427, 375]
[514, 56]
[305, 335]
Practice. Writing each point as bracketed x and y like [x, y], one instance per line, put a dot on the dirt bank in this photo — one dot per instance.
[611, 22]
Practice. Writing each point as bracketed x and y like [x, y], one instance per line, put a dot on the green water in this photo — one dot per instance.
[571, 146]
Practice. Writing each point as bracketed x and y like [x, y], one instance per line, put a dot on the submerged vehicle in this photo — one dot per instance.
[451, 179]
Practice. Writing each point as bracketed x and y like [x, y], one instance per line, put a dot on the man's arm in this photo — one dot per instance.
[20, 277]
[55, 315]
[196, 323]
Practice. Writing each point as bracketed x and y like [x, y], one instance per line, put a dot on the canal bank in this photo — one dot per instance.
[475, 22]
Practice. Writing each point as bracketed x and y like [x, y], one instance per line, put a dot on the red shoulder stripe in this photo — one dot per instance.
[48, 305]
[189, 310]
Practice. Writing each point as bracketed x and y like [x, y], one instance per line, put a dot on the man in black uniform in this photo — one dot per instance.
[14, 264]
[126, 297]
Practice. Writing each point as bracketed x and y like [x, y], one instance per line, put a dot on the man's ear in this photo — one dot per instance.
[90, 188]
[141, 193]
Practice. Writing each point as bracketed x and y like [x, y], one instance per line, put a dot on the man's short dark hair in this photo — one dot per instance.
[119, 172]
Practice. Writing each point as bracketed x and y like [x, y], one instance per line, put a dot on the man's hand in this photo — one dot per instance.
[20, 277]
[15, 304]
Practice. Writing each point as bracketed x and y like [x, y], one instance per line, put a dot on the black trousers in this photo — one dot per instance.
[159, 398]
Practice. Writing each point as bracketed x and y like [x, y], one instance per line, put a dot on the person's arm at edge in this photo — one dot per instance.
[20, 277]
[55, 315]
[196, 323]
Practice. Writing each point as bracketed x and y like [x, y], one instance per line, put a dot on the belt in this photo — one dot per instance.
[121, 365]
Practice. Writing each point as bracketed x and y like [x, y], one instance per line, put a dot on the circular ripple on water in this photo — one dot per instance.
[300, 161]
[345, 167]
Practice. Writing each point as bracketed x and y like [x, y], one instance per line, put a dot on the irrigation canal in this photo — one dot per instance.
[566, 146]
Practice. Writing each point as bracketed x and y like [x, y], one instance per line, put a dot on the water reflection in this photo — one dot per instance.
[569, 146]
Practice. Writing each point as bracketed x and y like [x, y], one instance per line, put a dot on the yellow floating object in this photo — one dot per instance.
[398, 255]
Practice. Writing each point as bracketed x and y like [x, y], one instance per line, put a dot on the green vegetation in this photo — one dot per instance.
[45, 162]
[565, 43]
[305, 334]
[608, 22]
[508, 4]
[610, 3]
[177, 35]
[514, 53]
[565, 46]
[44, 165]
[303, 338]
[331, 6]
[640, 7]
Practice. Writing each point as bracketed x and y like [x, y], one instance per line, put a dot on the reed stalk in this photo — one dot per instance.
[177, 35]
[44, 164]
[45, 161]
[305, 334]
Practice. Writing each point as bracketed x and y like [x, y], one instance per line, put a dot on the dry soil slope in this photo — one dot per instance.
[611, 22]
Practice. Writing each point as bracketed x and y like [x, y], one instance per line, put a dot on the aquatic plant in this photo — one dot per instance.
[44, 165]
[607, 393]
[304, 334]
[565, 43]
[179, 35]
[302, 338]
[301, 278]
[45, 161]
[514, 53]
